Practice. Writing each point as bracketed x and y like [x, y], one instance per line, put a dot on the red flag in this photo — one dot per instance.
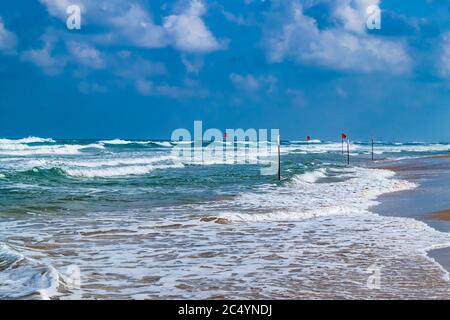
[225, 135]
[308, 138]
[344, 136]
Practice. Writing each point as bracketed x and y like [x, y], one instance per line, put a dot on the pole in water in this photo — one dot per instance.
[343, 137]
[279, 159]
[372, 149]
[348, 151]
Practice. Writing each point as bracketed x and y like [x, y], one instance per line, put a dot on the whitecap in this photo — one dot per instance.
[27, 140]
[117, 171]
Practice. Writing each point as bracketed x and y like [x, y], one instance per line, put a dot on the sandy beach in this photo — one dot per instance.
[428, 203]
[443, 215]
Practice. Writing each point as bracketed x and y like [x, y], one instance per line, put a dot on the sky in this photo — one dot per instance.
[140, 69]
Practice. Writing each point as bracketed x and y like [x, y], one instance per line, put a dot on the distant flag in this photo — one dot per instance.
[344, 136]
[308, 138]
[225, 135]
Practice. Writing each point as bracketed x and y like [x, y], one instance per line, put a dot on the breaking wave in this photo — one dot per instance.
[305, 198]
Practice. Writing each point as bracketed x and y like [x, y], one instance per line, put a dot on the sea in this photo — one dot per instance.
[135, 219]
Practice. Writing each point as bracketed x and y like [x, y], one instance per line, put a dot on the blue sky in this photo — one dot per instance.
[140, 69]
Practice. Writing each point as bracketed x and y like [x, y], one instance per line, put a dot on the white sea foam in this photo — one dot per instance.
[26, 140]
[311, 237]
[166, 144]
[112, 162]
[303, 198]
[323, 251]
[21, 276]
[307, 141]
[117, 171]
[104, 166]
[13, 146]
[311, 176]
[355, 149]
[67, 149]
[116, 141]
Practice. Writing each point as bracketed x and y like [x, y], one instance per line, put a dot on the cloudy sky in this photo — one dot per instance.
[140, 69]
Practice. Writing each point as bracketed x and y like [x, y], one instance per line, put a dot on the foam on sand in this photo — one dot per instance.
[23, 277]
[306, 198]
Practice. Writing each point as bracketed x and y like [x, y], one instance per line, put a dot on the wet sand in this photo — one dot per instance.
[440, 215]
[442, 156]
[429, 203]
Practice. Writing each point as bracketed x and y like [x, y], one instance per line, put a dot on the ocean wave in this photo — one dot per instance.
[67, 149]
[27, 140]
[299, 147]
[165, 144]
[138, 142]
[311, 176]
[104, 162]
[116, 141]
[111, 172]
[306, 141]
[22, 277]
[304, 198]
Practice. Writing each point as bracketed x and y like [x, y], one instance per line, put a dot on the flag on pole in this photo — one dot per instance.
[344, 136]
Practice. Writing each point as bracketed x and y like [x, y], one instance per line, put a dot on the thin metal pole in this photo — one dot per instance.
[342, 146]
[372, 149]
[279, 159]
[348, 152]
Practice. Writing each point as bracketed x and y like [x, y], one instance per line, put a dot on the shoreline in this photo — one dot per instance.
[443, 215]
[428, 203]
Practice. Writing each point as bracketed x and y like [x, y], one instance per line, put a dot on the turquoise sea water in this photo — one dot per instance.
[135, 219]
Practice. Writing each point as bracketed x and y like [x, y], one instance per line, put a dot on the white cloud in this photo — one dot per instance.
[251, 83]
[188, 31]
[192, 64]
[148, 88]
[247, 82]
[129, 23]
[144, 87]
[132, 67]
[58, 8]
[136, 27]
[238, 19]
[44, 58]
[348, 47]
[85, 54]
[79, 53]
[352, 13]
[8, 39]
[444, 59]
